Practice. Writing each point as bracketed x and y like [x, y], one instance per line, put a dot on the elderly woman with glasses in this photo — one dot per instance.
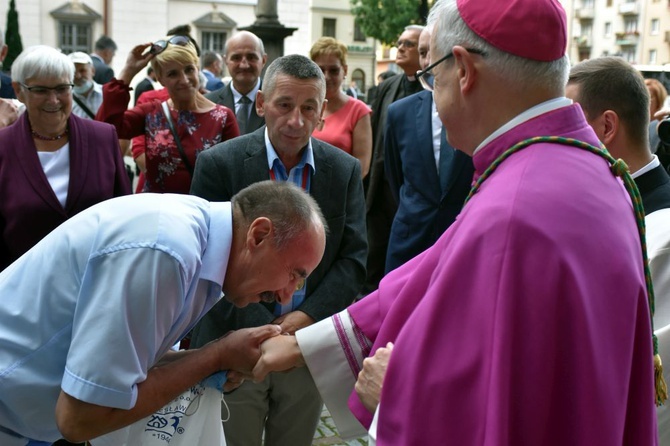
[175, 130]
[53, 164]
[346, 121]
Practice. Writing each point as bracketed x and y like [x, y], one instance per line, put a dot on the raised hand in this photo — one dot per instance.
[137, 59]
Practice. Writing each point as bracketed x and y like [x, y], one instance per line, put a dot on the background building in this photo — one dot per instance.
[75, 25]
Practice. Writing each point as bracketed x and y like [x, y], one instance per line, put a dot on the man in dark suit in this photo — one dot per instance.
[146, 84]
[6, 90]
[616, 104]
[287, 406]
[245, 58]
[379, 201]
[105, 49]
[212, 68]
[615, 101]
[428, 178]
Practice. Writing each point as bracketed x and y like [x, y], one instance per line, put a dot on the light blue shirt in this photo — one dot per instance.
[93, 306]
[301, 178]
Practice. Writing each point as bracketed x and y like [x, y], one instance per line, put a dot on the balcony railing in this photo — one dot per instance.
[628, 38]
[586, 13]
[629, 8]
[583, 41]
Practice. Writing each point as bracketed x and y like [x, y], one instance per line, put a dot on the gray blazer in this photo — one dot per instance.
[224, 96]
[336, 185]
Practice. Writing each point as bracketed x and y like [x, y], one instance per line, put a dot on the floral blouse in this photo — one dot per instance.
[166, 171]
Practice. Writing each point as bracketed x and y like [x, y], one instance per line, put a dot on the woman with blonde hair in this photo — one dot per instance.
[346, 121]
[175, 130]
[657, 95]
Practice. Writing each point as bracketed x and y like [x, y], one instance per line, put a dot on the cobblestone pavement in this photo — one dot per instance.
[326, 433]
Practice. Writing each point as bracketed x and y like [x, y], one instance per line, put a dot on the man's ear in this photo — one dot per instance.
[260, 104]
[259, 232]
[610, 126]
[465, 68]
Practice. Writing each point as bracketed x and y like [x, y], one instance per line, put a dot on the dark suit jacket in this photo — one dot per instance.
[103, 72]
[29, 209]
[141, 87]
[654, 187]
[224, 96]
[425, 209]
[226, 168]
[6, 89]
[381, 206]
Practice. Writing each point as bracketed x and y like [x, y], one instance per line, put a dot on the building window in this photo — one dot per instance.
[587, 4]
[629, 54]
[608, 29]
[359, 35]
[655, 26]
[358, 76]
[213, 41]
[609, 3]
[630, 25]
[75, 37]
[329, 27]
[587, 29]
[653, 56]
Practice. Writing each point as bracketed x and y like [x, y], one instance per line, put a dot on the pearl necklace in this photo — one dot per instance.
[49, 138]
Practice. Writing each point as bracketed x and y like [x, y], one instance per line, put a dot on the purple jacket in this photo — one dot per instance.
[29, 209]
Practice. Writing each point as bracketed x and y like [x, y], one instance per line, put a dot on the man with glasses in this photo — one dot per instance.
[380, 204]
[429, 179]
[245, 58]
[528, 322]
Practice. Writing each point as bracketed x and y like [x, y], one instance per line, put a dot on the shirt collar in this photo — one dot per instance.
[251, 95]
[307, 155]
[533, 112]
[219, 242]
[654, 163]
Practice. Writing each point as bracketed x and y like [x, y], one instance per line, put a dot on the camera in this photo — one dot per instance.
[663, 130]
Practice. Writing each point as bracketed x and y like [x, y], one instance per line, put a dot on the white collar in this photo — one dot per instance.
[533, 112]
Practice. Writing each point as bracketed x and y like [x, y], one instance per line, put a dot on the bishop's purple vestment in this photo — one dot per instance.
[527, 322]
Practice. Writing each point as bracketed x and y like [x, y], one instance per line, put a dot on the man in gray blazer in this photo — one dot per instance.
[245, 58]
[287, 405]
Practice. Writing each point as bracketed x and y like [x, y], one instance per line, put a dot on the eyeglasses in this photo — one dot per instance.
[160, 45]
[39, 90]
[427, 78]
[406, 43]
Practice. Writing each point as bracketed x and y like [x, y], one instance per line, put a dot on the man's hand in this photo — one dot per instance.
[278, 354]
[293, 321]
[9, 113]
[240, 350]
[371, 378]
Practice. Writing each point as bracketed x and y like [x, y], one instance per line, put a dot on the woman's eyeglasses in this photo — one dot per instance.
[160, 45]
[427, 77]
[38, 90]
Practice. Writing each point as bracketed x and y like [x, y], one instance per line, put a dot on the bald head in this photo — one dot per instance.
[245, 58]
[424, 48]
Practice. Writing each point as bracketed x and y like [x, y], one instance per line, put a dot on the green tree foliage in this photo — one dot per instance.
[12, 37]
[385, 19]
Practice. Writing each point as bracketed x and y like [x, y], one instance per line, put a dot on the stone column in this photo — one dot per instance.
[268, 28]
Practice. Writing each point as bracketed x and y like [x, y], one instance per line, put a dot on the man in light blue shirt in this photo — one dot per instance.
[91, 310]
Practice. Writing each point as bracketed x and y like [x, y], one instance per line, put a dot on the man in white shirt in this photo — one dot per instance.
[86, 93]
